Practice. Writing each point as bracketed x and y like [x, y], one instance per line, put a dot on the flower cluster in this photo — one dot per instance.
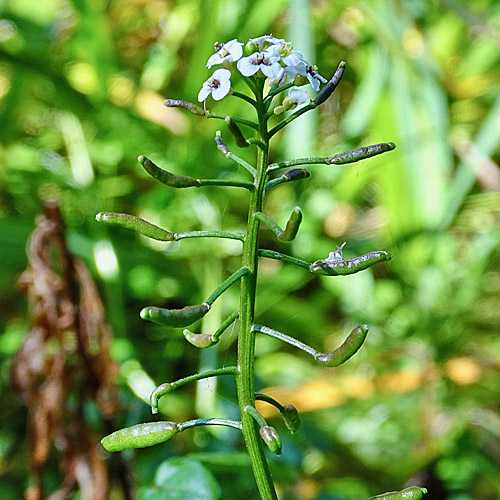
[268, 57]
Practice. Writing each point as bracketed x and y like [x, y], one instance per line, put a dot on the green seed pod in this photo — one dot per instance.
[271, 438]
[167, 178]
[361, 153]
[135, 223]
[237, 133]
[411, 493]
[200, 340]
[350, 346]
[328, 89]
[291, 417]
[292, 226]
[189, 106]
[175, 317]
[139, 436]
[338, 266]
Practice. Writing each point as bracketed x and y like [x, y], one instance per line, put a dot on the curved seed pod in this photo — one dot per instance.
[328, 89]
[361, 153]
[237, 133]
[175, 317]
[350, 346]
[139, 436]
[271, 438]
[189, 106]
[137, 224]
[176, 181]
[292, 226]
[291, 417]
[343, 267]
[411, 493]
[200, 340]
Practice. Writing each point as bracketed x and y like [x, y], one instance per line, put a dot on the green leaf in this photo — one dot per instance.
[182, 479]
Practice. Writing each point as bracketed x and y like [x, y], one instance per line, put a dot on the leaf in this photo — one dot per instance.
[182, 479]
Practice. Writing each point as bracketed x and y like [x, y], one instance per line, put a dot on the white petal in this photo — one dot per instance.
[235, 49]
[273, 71]
[214, 59]
[246, 68]
[299, 96]
[221, 74]
[222, 91]
[203, 93]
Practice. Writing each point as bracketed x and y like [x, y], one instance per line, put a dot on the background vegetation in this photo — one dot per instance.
[81, 89]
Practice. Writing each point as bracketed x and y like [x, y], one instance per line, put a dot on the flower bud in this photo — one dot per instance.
[271, 438]
[250, 48]
[300, 80]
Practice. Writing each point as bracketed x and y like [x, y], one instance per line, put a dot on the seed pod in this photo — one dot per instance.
[328, 89]
[200, 340]
[343, 267]
[167, 178]
[237, 133]
[296, 174]
[189, 106]
[350, 346]
[175, 317]
[221, 145]
[135, 223]
[292, 226]
[139, 436]
[271, 438]
[291, 417]
[361, 153]
[411, 493]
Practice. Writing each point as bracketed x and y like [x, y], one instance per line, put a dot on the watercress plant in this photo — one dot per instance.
[273, 71]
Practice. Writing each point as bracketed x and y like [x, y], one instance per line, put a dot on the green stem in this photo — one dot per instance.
[225, 285]
[246, 340]
[286, 338]
[167, 387]
[227, 183]
[272, 254]
[209, 421]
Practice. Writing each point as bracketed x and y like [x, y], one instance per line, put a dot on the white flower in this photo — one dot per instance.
[266, 61]
[314, 77]
[230, 51]
[296, 97]
[266, 40]
[218, 85]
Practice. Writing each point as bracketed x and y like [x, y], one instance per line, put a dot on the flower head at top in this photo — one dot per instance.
[219, 85]
[266, 40]
[226, 52]
[267, 62]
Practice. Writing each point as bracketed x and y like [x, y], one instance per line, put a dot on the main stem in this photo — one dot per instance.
[246, 340]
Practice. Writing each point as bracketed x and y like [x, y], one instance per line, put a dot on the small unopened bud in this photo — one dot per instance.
[300, 80]
[271, 438]
[250, 48]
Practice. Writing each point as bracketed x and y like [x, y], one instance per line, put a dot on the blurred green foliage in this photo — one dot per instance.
[81, 90]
